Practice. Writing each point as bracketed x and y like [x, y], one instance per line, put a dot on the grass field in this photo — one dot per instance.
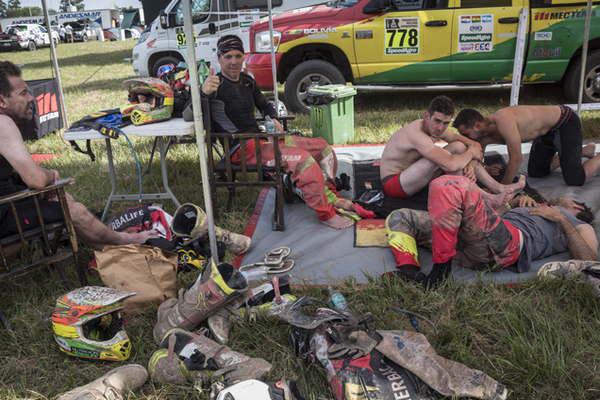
[540, 339]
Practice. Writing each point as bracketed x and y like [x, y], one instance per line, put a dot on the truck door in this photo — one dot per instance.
[484, 40]
[409, 43]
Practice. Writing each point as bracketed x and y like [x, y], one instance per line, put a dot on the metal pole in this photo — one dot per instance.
[63, 108]
[273, 64]
[584, 53]
[519, 57]
[198, 124]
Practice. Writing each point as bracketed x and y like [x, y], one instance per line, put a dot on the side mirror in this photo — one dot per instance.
[212, 28]
[377, 6]
[167, 20]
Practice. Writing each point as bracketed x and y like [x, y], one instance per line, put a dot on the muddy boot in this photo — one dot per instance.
[190, 221]
[189, 357]
[587, 272]
[220, 324]
[113, 385]
[412, 351]
[215, 288]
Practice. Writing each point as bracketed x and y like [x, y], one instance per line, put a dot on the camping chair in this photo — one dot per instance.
[49, 235]
[223, 173]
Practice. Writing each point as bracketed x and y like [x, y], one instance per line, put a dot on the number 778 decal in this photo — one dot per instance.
[402, 36]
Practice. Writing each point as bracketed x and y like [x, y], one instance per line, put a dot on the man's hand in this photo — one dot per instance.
[211, 84]
[469, 171]
[524, 201]
[548, 212]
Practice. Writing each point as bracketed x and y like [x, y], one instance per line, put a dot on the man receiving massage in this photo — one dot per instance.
[466, 224]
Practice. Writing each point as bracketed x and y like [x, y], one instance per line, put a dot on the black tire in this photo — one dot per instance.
[163, 61]
[31, 46]
[56, 42]
[298, 81]
[591, 91]
[84, 38]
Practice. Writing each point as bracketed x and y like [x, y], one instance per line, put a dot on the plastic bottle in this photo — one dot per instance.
[203, 71]
[269, 125]
[337, 300]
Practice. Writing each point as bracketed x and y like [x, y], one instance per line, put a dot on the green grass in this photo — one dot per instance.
[540, 339]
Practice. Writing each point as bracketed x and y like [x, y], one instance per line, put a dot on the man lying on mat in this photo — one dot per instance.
[425, 148]
[311, 161]
[464, 223]
[553, 129]
[18, 171]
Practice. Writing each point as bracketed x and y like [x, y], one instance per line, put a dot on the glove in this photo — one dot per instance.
[358, 344]
[438, 274]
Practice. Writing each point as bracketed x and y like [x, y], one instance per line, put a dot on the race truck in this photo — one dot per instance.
[26, 36]
[163, 41]
[426, 44]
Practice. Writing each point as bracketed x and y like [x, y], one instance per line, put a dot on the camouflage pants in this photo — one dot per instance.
[460, 223]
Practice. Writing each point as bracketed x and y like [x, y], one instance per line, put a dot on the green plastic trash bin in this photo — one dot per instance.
[333, 121]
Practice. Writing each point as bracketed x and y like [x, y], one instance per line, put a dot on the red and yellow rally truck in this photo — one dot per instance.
[424, 43]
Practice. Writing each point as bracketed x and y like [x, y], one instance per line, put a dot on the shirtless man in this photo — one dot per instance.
[414, 155]
[551, 128]
[18, 171]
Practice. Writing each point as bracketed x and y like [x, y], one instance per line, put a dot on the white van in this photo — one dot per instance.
[163, 41]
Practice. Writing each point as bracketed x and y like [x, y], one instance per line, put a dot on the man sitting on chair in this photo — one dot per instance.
[18, 171]
[311, 161]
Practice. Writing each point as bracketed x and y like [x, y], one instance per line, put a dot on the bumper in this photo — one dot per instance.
[259, 64]
[12, 45]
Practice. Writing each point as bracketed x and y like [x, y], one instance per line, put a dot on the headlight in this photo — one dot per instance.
[262, 41]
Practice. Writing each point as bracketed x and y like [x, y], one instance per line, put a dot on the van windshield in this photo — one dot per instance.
[342, 3]
[200, 10]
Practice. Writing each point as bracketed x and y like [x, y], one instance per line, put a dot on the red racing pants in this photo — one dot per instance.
[460, 220]
[312, 163]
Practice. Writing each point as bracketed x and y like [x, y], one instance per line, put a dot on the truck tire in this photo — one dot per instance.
[31, 46]
[163, 61]
[305, 75]
[591, 88]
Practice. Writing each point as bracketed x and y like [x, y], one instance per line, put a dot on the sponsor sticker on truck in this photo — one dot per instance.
[476, 33]
[402, 36]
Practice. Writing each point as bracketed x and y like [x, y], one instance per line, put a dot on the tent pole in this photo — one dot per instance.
[273, 64]
[198, 124]
[63, 108]
[517, 74]
[584, 53]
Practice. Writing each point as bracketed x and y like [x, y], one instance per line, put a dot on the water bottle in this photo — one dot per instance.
[203, 71]
[269, 125]
[337, 300]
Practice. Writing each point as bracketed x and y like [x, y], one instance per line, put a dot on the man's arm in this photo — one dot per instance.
[13, 149]
[581, 240]
[263, 104]
[507, 128]
[452, 136]
[442, 158]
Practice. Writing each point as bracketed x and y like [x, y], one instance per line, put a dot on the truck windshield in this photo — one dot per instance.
[342, 3]
[200, 10]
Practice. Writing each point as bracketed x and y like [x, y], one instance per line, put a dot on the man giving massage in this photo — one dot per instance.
[425, 149]
[553, 129]
[18, 171]
[464, 223]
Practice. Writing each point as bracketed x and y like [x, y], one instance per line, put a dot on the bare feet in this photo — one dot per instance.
[139, 237]
[589, 150]
[338, 222]
[514, 187]
[344, 204]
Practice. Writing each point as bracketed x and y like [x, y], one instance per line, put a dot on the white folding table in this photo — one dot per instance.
[163, 131]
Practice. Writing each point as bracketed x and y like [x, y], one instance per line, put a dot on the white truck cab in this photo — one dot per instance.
[163, 41]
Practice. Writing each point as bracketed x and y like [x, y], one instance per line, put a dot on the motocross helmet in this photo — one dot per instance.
[150, 100]
[87, 323]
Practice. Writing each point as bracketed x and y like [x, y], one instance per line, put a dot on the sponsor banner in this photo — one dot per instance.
[543, 36]
[402, 36]
[46, 112]
[476, 33]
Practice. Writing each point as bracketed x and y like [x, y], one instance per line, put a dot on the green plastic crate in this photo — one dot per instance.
[334, 121]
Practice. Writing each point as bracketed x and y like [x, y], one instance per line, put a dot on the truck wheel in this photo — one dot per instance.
[164, 61]
[31, 46]
[591, 88]
[305, 75]
[84, 38]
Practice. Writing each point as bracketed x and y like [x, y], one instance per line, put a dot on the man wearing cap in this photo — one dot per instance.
[311, 161]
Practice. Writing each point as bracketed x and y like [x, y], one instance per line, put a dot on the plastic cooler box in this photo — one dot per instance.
[334, 121]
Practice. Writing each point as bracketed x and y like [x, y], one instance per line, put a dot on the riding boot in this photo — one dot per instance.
[113, 385]
[215, 288]
[189, 357]
[219, 324]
